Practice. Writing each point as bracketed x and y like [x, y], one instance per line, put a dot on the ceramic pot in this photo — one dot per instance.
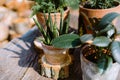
[90, 70]
[97, 13]
[40, 17]
[55, 56]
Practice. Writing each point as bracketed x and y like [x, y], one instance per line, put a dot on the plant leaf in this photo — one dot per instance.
[115, 48]
[107, 19]
[101, 41]
[66, 41]
[107, 30]
[86, 38]
[104, 63]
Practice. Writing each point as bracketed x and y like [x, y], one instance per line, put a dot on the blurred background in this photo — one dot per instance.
[14, 19]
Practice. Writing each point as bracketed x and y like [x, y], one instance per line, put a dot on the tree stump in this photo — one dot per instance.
[55, 71]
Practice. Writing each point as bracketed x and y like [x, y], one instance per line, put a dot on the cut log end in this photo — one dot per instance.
[55, 71]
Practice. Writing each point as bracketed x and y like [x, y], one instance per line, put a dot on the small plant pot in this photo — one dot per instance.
[40, 17]
[55, 56]
[96, 13]
[90, 70]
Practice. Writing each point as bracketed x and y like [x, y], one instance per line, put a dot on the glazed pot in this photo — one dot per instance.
[90, 70]
[55, 56]
[97, 13]
[40, 17]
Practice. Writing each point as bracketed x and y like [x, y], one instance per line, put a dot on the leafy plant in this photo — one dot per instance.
[105, 39]
[99, 4]
[51, 6]
[51, 31]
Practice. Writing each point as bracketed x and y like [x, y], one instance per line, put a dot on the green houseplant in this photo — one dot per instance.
[97, 9]
[54, 58]
[51, 31]
[53, 6]
[100, 59]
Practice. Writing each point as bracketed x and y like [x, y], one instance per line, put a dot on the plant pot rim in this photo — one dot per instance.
[82, 56]
[50, 47]
[57, 13]
[39, 44]
[85, 59]
[88, 9]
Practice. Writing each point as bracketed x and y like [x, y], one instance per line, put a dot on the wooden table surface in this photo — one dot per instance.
[18, 60]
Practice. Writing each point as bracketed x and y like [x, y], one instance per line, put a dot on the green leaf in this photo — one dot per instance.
[66, 41]
[85, 38]
[107, 30]
[115, 48]
[101, 41]
[104, 63]
[107, 19]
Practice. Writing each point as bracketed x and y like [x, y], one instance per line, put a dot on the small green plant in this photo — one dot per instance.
[50, 31]
[52, 6]
[104, 38]
[99, 4]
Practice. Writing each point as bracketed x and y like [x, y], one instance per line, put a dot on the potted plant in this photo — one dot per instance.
[97, 9]
[49, 33]
[55, 61]
[100, 51]
[53, 7]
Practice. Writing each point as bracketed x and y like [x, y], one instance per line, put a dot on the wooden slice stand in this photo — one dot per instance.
[55, 71]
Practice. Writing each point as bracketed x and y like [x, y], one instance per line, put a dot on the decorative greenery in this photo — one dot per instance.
[51, 31]
[99, 4]
[104, 38]
[51, 6]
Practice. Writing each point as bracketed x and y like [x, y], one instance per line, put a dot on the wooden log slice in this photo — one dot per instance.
[55, 71]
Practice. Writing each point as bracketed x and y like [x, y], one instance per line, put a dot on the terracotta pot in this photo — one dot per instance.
[97, 13]
[40, 17]
[90, 70]
[55, 56]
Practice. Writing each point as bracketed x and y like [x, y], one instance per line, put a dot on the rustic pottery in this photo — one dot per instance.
[97, 13]
[90, 70]
[54, 55]
[40, 17]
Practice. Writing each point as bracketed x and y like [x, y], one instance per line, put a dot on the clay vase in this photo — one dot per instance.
[90, 70]
[55, 56]
[97, 13]
[40, 17]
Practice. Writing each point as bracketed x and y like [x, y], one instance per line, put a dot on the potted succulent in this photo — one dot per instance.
[49, 33]
[55, 60]
[98, 8]
[53, 7]
[100, 51]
